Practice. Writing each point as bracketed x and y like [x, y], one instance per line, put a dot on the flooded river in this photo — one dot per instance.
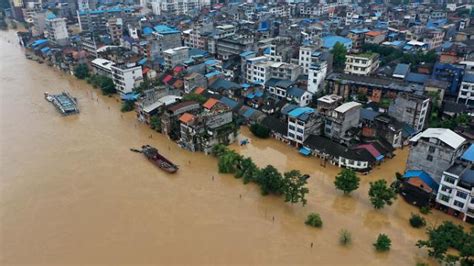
[71, 192]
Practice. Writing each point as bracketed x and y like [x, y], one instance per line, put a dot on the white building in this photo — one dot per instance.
[306, 58]
[126, 77]
[258, 69]
[316, 75]
[456, 189]
[285, 71]
[177, 7]
[56, 29]
[176, 56]
[466, 91]
[302, 122]
[361, 64]
[102, 67]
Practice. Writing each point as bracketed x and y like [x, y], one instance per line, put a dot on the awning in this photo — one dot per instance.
[305, 151]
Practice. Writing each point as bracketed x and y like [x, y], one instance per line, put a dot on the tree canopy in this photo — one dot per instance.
[81, 71]
[347, 181]
[380, 194]
[339, 52]
[260, 131]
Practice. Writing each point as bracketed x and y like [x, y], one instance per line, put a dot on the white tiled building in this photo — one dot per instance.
[466, 91]
[126, 77]
[361, 64]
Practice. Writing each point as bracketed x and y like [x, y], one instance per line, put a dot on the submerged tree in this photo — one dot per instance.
[294, 187]
[247, 170]
[347, 181]
[228, 162]
[314, 220]
[383, 243]
[381, 194]
[260, 131]
[81, 71]
[270, 181]
[345, 237]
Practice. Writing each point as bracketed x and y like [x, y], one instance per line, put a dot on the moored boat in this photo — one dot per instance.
[64, 102]
[157, 159]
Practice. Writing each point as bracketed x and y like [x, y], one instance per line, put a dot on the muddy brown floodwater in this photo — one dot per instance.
[71, 192]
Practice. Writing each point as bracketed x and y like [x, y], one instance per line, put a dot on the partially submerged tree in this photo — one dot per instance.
[314, 220]
[294, 187]
[81, 71]
[345, 237]
[380, 194]
[382, 243]
[417, 221]
[260, 131]
[347, 181]
[270, 181]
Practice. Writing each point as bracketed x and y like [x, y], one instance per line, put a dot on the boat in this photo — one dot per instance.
[64, 102]
[157, 159]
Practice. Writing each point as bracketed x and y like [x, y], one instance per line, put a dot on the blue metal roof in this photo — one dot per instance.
[401, 69]
[142, 61]
[368, 114]
[45, 50]
[164, 29]
[468, 155]
[423, 176]
[229, 102]
[417, 78]
[39, 42]
[247, 53]
[330, 41]
[266, 51]
[305, 151]
[132, 96]
[101, 11]
[51, 15]
[301, 110]
[212, 74]
[359, 31]
[249, 112]
[147, 31]
[295, 92]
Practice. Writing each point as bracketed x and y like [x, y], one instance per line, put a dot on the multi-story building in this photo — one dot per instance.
[175, 56]
[163, 38]
[234, 45]
[449, 73]
[361, 64]
[96, 20]
[39, 23]
[170, 124]
[316, 75]
[126, 77]
[302, 122]
[103, 67]
[115, 29]
[434, 150]
[466, 91]
[338, 122]
[258, 70]
[374, 37]
[358, 38]
[178, 7]
[193, 81]
[327, 103]
[56, 29]
[411, 109]
[308, 56]
[456, 190]
[285, 71]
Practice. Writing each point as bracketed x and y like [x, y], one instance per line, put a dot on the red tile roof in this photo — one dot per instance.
[167, 78]
[186, 118]
[199, 90]
[373, 33]
[210, 103]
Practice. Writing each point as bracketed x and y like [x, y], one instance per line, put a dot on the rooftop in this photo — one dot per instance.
[347, 106]
[445, 135]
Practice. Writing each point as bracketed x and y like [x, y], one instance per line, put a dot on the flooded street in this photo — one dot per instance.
[71, 192]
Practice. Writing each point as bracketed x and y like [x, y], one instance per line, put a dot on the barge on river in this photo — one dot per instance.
[157, 159]
[64, 102]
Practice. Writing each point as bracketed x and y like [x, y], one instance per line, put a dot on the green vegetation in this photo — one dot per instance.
[451, 123]
[417, 221]
[292, 184]
[260, 131]
[383, 243]
[425, 210]
[347, 181]
[389, 54]
[449, 235]
[345, 237]
[127, 106]
[155, 123]
[106, 84]
[314, 220]
[195, 97]
[339, 52]
[81, 71]
[381, 194]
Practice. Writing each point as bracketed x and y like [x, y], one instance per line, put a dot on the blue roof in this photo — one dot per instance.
[39, 42]
[468, 77]
[368, 114]
[164, 29]
[423, 176]
[468, 155]
[132, 96]
[45, 50]
[229, 102]
[266, 51]
[330, 41]
[101, 11]
[147, 31]
[416, 78]
[51, 15]
[247, 53]
[142, 61]
[295, 91]
[193, 52]
[245, 85]
[249, 112]
[301, 110]
[212, 74]
[263, 26]
[358, 31]
[211, 62]
[305, 151]
[401, 69]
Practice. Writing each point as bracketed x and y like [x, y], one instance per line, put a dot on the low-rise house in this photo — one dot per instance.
[411, 109]
[374, 37]
[152, 102]
[193, 81]
[338, 122]
[456, 191]
[285, 71]
[418, 188]
[170, 124]
[434, 150]
[303, 122]
[361, 64]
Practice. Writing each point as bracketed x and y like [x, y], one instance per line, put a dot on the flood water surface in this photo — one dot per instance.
[71, 192]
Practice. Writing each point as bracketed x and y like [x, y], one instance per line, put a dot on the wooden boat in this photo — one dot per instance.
[157, 159]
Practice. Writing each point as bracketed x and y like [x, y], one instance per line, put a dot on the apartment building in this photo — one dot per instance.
[466, 91]
[302, 122]
[56, 29]
[285, 71]
[175, 56]
[258, 69]
[316, 75]
[338, 122]
[361, 64]
[115, 29]
[411, 109]
[126, 77]
[103, 67]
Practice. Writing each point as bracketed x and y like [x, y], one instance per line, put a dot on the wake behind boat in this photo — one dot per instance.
[157, 159]
[64, 102]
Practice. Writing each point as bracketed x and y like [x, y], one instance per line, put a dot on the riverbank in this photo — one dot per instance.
[72, 193]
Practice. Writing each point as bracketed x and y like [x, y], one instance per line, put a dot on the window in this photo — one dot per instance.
[291, 135]
[431, 149]
[429, 158]
[461, 194]
[444, 198]
[472, 200]
[458, 204]
[449, 179]
[446, 189]
[291, 127]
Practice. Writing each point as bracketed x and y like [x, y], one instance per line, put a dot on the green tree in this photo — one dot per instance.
[381, 194]
[247, 170]
[107, 86]
[294, 187]
[314, 220]
[383, 243]
[446, 236]
[345, 237]
[127, 106]
[417, 221]
[219, 150]
[155, 123]
[339, 52]
[195, 97]
[270, 181]
[347, 181]
[81, 71]
[228, 162]
[260, 131]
